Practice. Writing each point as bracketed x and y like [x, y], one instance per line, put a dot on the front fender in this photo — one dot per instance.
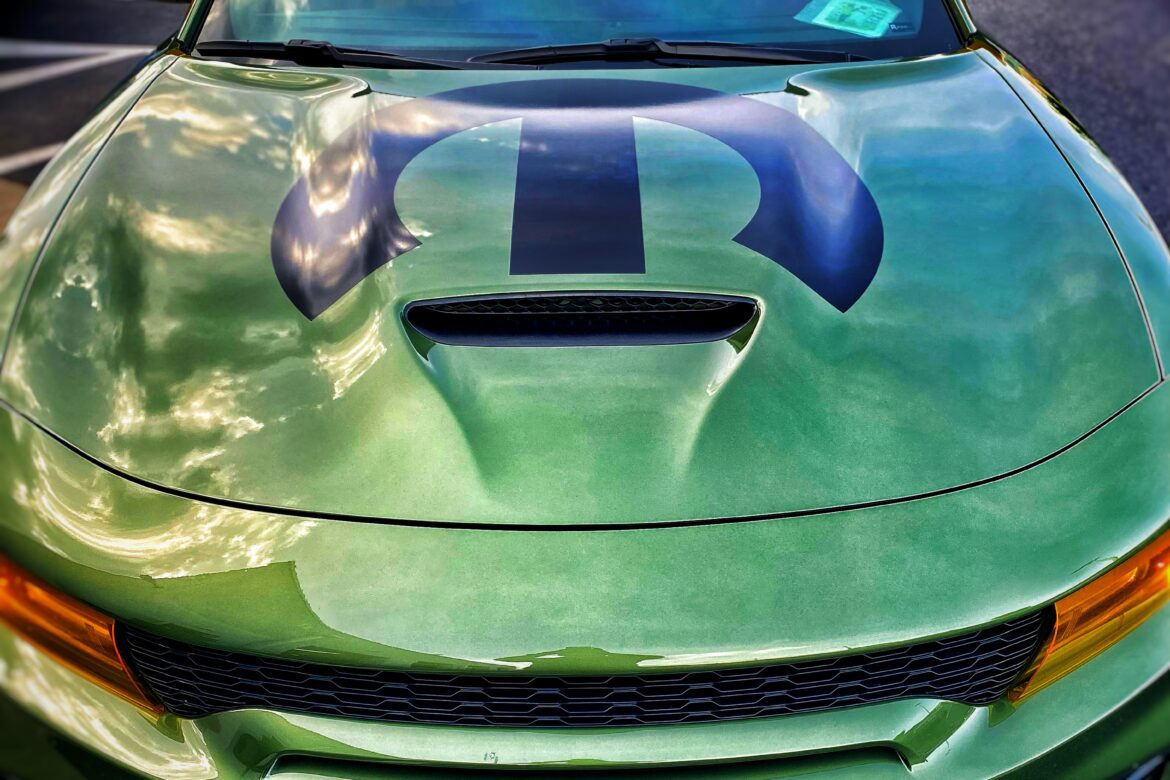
[29, 229]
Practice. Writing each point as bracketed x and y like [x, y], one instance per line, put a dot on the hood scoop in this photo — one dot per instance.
[579, 319]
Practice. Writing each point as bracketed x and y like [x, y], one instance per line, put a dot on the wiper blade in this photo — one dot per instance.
[324, 54]
[655, 48]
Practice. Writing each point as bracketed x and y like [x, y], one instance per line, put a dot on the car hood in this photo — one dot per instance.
[219, 309]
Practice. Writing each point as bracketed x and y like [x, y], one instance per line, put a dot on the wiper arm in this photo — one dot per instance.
[324, 54]
[655, 48]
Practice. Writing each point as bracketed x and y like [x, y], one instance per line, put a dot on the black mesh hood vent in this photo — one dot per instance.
[580, 319]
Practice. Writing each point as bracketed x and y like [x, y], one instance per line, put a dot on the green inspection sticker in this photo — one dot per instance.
[869, 18]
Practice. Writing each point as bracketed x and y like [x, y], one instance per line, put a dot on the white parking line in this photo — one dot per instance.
[82, 56]
[27, 159]
[25, 76]
[16, 48]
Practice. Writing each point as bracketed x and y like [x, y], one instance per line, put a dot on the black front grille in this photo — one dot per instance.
[580, 319]
[976, 668]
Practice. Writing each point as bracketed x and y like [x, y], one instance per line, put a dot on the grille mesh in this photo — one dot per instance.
[582, 319]
[580, 304]
[975, 668]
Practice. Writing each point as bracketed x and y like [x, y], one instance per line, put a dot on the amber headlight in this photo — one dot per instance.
[76, 635]
[1098, 615]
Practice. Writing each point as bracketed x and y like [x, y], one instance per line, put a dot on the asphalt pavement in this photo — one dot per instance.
[58, 60]
[1108, 60]
[1109, 63]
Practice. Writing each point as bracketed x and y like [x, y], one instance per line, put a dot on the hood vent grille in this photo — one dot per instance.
[580, 319]
[975, 668]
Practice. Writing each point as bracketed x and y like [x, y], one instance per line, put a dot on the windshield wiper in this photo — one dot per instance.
[655, 48]
[325, 54]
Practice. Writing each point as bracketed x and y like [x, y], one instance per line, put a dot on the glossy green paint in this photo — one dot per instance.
[24, 235]
[1110, 715]
[1131, 225]
[583, 601]
[562, 602]
[963, 19]
[1001, 326]
[189, 30]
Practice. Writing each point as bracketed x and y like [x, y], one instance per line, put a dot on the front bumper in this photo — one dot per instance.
[613, 602]
[1105, 719]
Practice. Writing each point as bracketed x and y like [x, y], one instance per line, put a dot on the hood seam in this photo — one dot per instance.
[1154, 347]
[309, 514]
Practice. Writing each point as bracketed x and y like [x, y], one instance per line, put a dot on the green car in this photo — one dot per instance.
[475, 389]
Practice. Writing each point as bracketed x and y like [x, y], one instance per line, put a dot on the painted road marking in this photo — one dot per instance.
[25, 76]
[82, 56]
[16, 48]
[27, 159]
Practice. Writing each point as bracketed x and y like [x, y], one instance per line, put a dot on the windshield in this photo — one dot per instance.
[460, 29]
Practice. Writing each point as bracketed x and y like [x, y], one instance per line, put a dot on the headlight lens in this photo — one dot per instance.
[76, 635]
[1098, 615]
